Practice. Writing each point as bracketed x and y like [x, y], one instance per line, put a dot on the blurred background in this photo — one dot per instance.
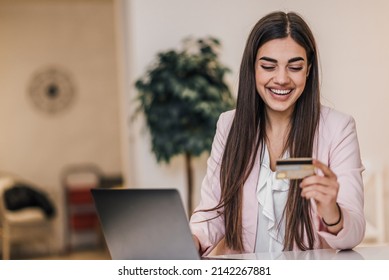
[67, 97]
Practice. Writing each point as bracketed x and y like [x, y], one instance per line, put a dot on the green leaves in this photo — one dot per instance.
[182, 96]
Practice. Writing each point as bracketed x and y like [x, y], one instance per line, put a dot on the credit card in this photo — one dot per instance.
[294, 168]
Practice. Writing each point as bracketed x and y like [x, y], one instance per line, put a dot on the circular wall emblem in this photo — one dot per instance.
[52, 90]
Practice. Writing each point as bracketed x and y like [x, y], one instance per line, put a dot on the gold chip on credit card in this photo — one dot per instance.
[294, 168]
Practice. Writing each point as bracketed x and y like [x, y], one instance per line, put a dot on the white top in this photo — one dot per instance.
[272, 195]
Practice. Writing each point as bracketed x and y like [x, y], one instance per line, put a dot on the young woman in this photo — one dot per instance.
[279, 115]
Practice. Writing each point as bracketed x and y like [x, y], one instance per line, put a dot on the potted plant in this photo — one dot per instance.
[182, 95]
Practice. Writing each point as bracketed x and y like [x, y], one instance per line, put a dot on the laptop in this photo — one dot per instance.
[144, 224]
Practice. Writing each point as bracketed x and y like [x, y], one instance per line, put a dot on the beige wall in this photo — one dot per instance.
[77, 36]
[353, 41]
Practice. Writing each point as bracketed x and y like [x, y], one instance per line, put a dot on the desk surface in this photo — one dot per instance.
[358, 253]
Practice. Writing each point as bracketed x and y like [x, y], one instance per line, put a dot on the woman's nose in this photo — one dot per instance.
[281, 77]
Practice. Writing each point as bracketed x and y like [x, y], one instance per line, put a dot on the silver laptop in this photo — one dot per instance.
[142, 224]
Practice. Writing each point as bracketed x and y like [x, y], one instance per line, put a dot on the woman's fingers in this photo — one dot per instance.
[316, 180]
[319, 192]
[323, 189]
[324, 168]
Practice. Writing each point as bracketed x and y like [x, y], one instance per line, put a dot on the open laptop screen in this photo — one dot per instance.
[144, 224]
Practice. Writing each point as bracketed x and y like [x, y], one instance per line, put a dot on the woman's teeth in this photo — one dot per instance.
[281, 91]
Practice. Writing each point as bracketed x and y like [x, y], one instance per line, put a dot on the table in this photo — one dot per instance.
[358, 253]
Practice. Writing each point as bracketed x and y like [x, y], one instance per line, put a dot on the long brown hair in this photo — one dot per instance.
[249, 130]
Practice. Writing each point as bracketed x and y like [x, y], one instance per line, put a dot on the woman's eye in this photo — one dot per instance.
[267, 67]
[296, 68]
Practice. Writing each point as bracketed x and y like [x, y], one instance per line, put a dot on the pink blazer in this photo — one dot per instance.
[337, 146]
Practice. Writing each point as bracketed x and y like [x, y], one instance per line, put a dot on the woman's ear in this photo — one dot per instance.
[308, 70]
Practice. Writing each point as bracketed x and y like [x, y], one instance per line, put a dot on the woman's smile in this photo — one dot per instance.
[280, 91]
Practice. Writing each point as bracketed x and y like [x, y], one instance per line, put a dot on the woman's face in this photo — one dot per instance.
[281, 71]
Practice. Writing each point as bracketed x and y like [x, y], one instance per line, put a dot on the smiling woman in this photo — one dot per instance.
[281, 72]
[279, 115]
